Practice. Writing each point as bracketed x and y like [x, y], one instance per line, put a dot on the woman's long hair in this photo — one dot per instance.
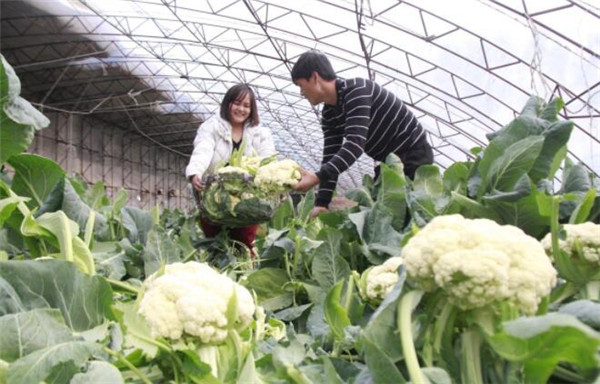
[238, 92]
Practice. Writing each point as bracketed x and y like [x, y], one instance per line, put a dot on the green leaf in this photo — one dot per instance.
[27, 332]
[14, 138]
[305, 206]
[8, 205]
[36, 366]
[392, 193]
[540, 343]
[587, 311]
[35, 177]
[329, 266]
[513, 164]
[335, 314]
[84, 301]
[575, 179]
[292, 313]
[456, 177]
[472, 209]
[268, 284]
[283, 214]
[138, 223]
[528, 213]
[98, 372]
[77, 210]
[22, 112]
[553, 151]
[331, 375]
[582, 211]
[382, 368]
[137, 331]
[160, 250]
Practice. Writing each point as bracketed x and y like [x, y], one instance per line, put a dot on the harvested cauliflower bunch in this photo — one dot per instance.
[278, 176]
[581, 238]
[479, 262]
[191, 298]
[376, 282]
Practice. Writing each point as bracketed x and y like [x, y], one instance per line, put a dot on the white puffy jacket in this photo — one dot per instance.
[213, 144]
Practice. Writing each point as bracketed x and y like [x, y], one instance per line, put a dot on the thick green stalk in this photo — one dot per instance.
[89, 228]
[407, 303]
[471, 358]
[592, 290]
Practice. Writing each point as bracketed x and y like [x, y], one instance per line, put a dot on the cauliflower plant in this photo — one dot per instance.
[277, 176]
[479, 262]
[578, 258]
[191, 299]
[582, 241]
[377, 281]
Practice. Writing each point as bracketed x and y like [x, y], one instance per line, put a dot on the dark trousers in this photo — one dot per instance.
[245, 235]
[421, 153]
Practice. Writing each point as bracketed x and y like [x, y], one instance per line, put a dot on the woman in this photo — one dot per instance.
[218, 137]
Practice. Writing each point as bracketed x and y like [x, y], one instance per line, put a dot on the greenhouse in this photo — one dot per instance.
[190, 193]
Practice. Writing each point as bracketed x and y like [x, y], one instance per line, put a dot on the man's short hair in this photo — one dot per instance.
[312, 61]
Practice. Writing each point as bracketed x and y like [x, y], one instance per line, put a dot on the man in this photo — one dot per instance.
[358, 116]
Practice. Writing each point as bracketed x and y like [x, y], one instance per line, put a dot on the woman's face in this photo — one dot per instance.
[239, 109]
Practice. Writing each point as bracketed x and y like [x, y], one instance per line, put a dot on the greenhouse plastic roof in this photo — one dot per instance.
[160, 67]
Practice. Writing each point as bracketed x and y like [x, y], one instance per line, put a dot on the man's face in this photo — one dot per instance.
[309, 89]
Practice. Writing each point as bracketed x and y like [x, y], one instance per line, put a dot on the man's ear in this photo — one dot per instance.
[314, 76]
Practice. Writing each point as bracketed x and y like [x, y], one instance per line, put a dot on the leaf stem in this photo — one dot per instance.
[407, 303]
[128, 364]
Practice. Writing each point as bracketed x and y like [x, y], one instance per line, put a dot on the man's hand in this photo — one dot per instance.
[309, 180]
[197, 183]
[317, 210]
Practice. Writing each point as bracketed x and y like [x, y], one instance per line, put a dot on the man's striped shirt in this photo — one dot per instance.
[366, 118]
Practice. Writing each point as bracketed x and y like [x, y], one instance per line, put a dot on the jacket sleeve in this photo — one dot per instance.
[204, 149]
[266, 146]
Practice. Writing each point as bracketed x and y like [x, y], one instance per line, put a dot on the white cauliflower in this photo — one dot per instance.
[376, 282]
[277, 176]
[191, 298]
[479, 262]
[584, 238]
[230, 169]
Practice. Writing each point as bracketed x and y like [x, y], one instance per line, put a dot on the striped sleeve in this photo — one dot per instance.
[357, 105]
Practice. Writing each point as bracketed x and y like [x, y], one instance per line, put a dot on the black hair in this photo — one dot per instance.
[238, 92]
[312, 61]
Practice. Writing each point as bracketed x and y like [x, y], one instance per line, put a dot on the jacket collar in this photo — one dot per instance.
[224, 128]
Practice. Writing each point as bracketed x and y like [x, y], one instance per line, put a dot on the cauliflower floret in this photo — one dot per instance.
[378, 281]
[478, 262]
[192, 298]
[278, 175]
[586, 234]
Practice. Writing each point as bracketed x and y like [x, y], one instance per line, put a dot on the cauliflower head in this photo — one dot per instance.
[582, 241]
[376, 282]
[277, 176]
[191, 298]
[478, 262]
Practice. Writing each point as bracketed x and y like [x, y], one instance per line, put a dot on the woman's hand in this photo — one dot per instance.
[197, 183]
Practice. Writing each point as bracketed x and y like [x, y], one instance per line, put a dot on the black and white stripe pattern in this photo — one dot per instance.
[367, 118]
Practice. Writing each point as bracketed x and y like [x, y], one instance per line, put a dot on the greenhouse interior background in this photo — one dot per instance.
[127, 83]
[482, 267]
